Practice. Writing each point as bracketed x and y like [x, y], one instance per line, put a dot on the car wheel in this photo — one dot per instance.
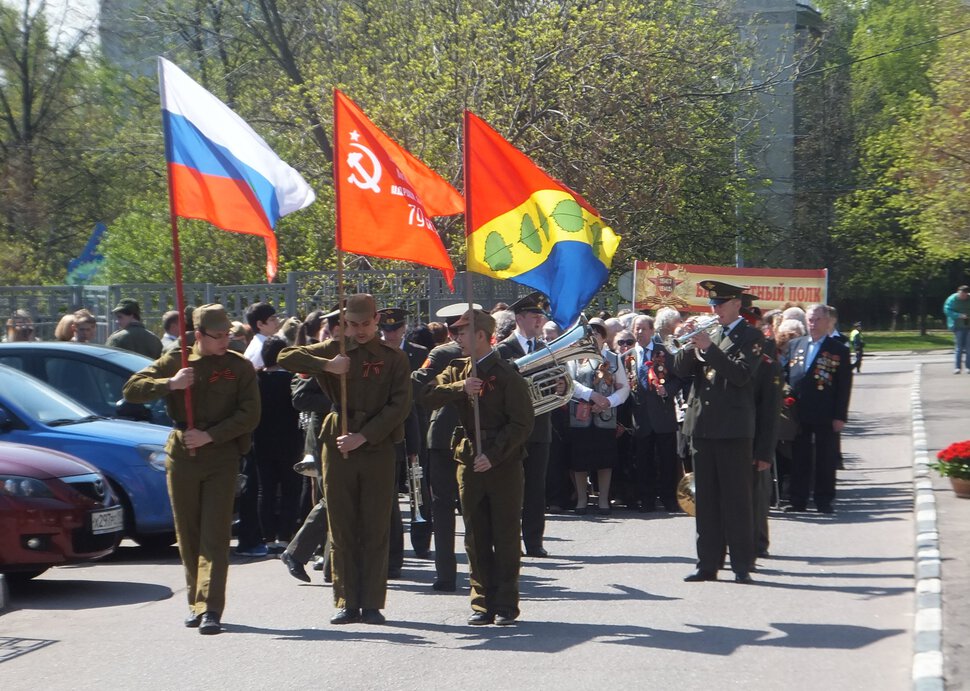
[154, 540]
[23, 576]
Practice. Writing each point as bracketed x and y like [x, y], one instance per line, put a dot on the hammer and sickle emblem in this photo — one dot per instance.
[367, 180]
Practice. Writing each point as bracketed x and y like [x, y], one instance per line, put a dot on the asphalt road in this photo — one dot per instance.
[832, 608]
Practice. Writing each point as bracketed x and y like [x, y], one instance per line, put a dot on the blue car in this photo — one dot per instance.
[130, 454]
[93, 375]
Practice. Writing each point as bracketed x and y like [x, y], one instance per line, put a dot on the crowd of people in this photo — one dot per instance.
[753, 403]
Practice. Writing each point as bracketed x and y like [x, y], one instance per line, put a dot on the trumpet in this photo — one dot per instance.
[710, 324]
[414, 489]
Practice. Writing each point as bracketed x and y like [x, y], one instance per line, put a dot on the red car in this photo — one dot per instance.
[54, 509]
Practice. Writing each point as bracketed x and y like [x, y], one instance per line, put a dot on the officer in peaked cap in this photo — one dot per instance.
[720, 420]
[441, 460]
[451, 313]
[534, 302]
[530, 315]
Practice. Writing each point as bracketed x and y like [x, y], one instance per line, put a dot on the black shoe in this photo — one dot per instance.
[763, 554]
[444, 586]
[210, 624]
[422, 553]
[604, 510]
[795, 508]
[580, 510]
[480, 619]
[504, 619]
[537, 552]
[294, 567]
[700, 575]
[743, 577]
[372, 616]
[318, 564]
[193, 620]
[347, 615]
[825, 508]
[647, 508]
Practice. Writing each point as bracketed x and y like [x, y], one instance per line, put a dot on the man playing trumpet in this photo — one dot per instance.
[720, 421]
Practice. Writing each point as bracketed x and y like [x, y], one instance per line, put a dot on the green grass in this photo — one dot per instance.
[906, 340]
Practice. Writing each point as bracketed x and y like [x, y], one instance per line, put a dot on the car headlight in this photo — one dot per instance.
[154, 455]
[25, 487]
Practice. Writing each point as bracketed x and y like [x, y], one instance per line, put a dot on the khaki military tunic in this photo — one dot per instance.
[202, 487]
[360, 489]
[491, 501]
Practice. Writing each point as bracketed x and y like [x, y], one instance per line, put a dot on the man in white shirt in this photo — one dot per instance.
[530, 315]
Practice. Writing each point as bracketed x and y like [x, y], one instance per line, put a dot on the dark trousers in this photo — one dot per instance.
[311, 536]
[815, 456]
[395, 561]
[360, 492]
[248, 531]
[559, 484]
[761, 487]
[491, 504]
[279, 496]
[722, 477]
[534, 496]
[444, 497]
[202, 492]
[657, 469]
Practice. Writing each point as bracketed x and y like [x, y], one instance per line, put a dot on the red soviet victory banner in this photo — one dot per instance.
[385, 197]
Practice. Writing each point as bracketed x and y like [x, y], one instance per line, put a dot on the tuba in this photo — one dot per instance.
[550, 384]
[686, 490]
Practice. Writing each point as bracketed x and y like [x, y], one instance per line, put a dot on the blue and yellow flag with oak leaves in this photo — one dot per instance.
[527, 227]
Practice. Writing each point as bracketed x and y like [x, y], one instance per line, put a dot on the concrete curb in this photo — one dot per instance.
[928, 624]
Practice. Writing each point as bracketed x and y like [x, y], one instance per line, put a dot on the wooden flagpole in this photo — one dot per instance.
[340, 270]
[466, 174]
[177, 260]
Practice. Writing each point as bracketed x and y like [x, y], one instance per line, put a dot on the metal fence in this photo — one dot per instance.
[420, 292]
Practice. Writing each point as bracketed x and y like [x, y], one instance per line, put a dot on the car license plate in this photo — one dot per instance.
[107, 521]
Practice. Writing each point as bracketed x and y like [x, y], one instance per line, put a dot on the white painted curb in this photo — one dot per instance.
[928, 624]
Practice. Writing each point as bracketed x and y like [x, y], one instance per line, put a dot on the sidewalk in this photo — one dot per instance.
[946, 413]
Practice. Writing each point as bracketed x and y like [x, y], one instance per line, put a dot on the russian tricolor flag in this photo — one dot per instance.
[220, 170]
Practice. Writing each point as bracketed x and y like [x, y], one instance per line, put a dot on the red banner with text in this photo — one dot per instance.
[660, 284]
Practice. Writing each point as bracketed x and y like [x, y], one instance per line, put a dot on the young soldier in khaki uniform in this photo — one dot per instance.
[720, 421]
[490, 476]
[358, 468]
[204, 460]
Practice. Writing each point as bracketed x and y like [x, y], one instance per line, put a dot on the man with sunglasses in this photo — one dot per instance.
[203, 461]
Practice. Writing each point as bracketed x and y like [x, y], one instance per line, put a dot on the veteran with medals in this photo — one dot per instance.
[720, 422]
[819, 372]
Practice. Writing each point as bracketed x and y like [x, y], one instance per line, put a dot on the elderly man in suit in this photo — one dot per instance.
[655, 420]
[820, 375]
[530, 315]
[720, 421]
